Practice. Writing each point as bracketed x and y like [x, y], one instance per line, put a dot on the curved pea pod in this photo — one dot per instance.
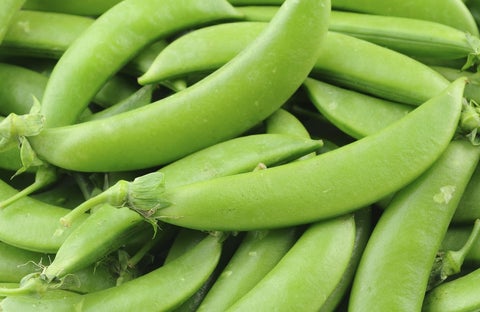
[333, 65]
[357, 114]
[414, 37]
[460, 294]
[19, 85]
[200, 115]
[78, 7]
[449, 12]
[54, 300]
[309, 271]
[469, 208]
[402, 248]
[42, 34]
[38, 221]
[231, 203]
[113, 39]
[8, 9]
[258, 253]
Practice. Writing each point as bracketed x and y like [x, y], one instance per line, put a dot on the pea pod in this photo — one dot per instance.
[460, 294]
[88, 69]
[42, 34]
[8, 9]
[333, 65]
[357, 114]
[38, 221]
[468, 209]
[79, 7]
[419, 137]
[402, 248]
[308, 273]
[413, 37]
[455, 239]
[141, 141]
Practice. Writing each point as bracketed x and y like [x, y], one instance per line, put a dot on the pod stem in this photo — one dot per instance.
[142, 195]
[30, 284]
[450, 262]
[44, 176]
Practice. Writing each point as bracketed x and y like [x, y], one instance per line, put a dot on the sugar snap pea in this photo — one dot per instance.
[232, 202]
[198, 116]
[409, 233]
[79, 7]
[369, 76]
[42, 34]
[305, 282]
[113, 39]
[469, 209]
[455, 239]
[460, 294]
[8, 9]
[355, 113]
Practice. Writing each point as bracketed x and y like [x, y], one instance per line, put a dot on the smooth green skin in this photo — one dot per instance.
[356, 114]
[54, 300]
[472, 89]
[449, 12]
[284, 122]
[413, 37]
[19, 85]
[469, 208]
[185, 240]
[458, 295]
[456, 237]
[242, 154]
[78, 7]
[8, 9]
[38, 222]
[258, 253]
[15, 263]
[112, 40]
[333, 65]
[164, 288]
[343, 180]
[402, 247]
[308, 273]
[224, 105]
[85, 245]
[141, 97]
[42, 34]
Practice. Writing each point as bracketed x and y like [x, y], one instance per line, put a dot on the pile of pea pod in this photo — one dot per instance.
[239, 155]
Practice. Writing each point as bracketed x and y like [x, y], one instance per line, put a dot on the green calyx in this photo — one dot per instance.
[470, 121]
[474, 56]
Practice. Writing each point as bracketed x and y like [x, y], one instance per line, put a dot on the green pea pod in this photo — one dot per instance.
[42, 34]
[357, 114]
[402, 248]
[308, 273]
[414, 37]
[79, 7]
[458, 295]
[8, 9]
[113, 39]
[231, 203]
[448, 12]
[38, 223]
[468, 209]
[199, 116]
[54, 300]
[472, 89]
[19, 86]
[217, 44]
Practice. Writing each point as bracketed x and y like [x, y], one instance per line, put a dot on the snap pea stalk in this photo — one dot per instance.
[369, 76]
[78, 7]
[409, 233]
[208, 204]
[8, 9]
[457, 237]
[414, 37]
[210, 118]
[35, 219]
[357, 114]
[42, 34]
[233, 156]
[113, 39]
[459, 295]
[309, 271]
[449, 262]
